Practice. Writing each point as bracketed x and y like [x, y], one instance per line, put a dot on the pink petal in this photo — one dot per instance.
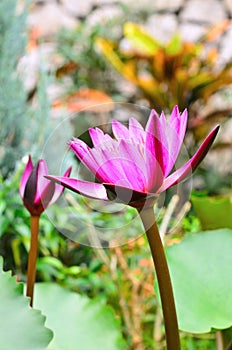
[179, 124]
[150, 123]
[83, 152]
[41, 182]
[30, 189]
[136, 131]
[110, 169]
[46, 196]
[88, 189]
[98, 137]
[175, 114]
[58, 188]
[192, 164]
[79, 148]
[164, 138]
[154, 172]
[26, 173]
[120, 131]
[156, 142]
[175, 133]
[104, 170]
[163, 119]
[123, 163]
[133, 165]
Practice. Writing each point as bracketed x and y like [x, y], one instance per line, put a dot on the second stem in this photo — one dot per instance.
[31, 268]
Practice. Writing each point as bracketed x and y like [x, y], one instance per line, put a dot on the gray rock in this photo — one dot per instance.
[30, 64]
[104, 15]
[191, 32]
[154, 5]
[208, 11]
[50, 19]
[170, 5]
[226, 47]
[127, 89]
[103, 2]
[77, 7]
[220, 161]
[228, 5]
[162, 27]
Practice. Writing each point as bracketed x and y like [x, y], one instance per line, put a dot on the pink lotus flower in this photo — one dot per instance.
[36, 192]
[135, 166]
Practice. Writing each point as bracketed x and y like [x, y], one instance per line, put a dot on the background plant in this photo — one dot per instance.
[178, 72]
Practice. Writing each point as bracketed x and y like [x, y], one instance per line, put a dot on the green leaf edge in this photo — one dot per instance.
[121, 343]
[19, 288]
[186, 238]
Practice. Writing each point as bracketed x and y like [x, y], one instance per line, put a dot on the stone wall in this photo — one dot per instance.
[163, 17]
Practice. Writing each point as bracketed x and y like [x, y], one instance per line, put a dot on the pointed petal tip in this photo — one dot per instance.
[212, 135]
[29, 163]
[176, 108]
[25, 176]
[52, 178]
[42, 161]
[185, 111]
[73, 139]
[216, 128]
[162, 116]
[153, 113]
[42, 168]
[69, 143]
[29, 159]
[68, 171]
[150, 122]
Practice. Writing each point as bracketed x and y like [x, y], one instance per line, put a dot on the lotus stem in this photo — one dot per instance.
[31, 268]
[163, 277]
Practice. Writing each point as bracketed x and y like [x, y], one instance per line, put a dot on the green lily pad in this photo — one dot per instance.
[22, 327]
[213, 212]
[201, 272]
[78, 323]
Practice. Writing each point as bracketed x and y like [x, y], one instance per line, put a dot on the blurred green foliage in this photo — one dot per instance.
[82, 63]
[13, 106]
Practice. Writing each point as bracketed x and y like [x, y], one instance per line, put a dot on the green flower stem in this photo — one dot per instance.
[31, 268]
[165, 287]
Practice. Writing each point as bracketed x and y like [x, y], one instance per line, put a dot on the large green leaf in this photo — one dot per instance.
[201, 270]
[213, 212]
[78, 323]
[22, 327]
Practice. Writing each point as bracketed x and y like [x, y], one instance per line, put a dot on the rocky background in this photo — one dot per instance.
[163, 17]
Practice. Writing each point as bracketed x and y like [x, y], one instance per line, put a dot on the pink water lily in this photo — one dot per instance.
[37, 192]
[135, 165]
